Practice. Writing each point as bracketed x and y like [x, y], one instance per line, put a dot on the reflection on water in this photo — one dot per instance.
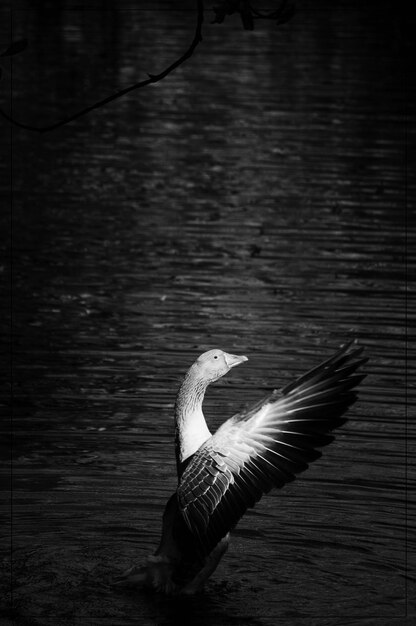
[252, 201]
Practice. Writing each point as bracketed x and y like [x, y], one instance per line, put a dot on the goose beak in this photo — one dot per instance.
[233, 359]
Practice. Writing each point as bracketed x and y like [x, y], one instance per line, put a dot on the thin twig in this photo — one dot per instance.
[153, 78]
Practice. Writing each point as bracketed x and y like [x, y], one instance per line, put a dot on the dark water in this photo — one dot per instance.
[253, 201]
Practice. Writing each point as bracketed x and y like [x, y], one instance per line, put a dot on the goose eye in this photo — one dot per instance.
[216, 356]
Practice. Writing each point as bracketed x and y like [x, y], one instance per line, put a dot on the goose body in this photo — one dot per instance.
[221, 475]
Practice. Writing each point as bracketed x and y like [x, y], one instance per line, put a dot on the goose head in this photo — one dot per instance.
[213, 364]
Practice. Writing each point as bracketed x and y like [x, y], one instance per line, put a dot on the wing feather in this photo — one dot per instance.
[265, 447]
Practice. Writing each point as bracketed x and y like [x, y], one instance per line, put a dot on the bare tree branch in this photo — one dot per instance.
[153, 78]
[248, 13]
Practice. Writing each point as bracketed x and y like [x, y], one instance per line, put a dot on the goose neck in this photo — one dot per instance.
[190, 424]
[191, 394]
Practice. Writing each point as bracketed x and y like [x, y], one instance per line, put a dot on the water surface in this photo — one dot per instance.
[253, 201]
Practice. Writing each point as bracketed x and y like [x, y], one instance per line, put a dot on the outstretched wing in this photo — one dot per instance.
[265, 447]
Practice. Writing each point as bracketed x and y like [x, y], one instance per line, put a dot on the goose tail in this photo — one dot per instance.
[155, 574]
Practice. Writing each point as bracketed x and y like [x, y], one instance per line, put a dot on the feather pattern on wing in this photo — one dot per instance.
[265, 447]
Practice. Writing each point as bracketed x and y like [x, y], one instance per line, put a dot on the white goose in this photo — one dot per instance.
[221, 475]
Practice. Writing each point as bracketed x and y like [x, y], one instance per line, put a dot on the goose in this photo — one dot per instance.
[220, 476]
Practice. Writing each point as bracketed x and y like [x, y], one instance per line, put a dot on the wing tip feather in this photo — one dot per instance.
[329, 367]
